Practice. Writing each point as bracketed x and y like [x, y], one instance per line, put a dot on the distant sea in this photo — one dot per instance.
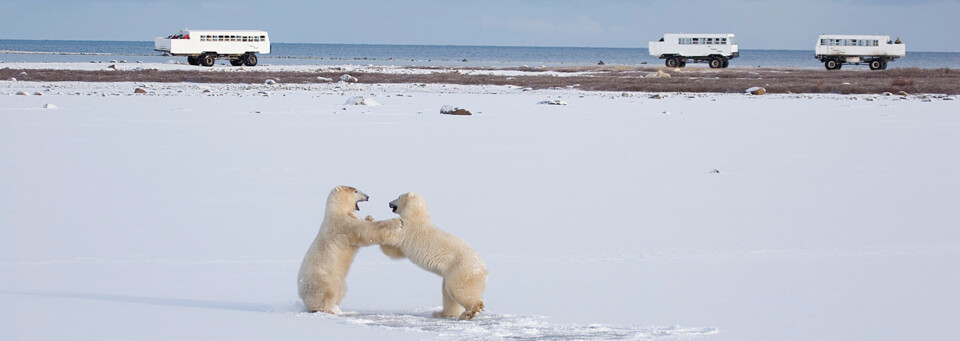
[425, 55]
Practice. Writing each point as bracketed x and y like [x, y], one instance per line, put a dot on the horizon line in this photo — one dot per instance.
[446, 45]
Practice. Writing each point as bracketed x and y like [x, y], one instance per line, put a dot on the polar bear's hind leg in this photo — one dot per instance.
[468, 292]
[450, 306]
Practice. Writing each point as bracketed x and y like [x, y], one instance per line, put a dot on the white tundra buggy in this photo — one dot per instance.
[204, 47]
[679, 48]
[876, 51]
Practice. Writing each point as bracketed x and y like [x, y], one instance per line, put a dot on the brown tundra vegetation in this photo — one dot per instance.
[590, 78]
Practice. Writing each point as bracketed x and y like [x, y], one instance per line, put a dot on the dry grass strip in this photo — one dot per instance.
[733, 80]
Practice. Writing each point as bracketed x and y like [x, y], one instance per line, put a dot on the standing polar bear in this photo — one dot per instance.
[323, 273]
[464, 274]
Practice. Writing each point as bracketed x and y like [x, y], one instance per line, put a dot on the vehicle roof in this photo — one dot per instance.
[694, 35]
[853, 36]
[225, 31]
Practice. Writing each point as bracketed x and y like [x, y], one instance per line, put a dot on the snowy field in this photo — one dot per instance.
[183, 214]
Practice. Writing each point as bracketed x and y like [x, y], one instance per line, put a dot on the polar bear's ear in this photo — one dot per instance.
[338, 188]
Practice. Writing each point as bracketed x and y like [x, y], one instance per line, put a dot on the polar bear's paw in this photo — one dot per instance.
[335, 310]
[441, 314]
[472, 311]
[368, 218]
[395, 223]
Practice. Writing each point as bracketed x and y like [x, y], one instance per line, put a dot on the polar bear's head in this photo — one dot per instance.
[345, 199]
[410, 205]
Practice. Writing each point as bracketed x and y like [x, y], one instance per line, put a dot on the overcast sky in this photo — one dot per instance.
[924, 25]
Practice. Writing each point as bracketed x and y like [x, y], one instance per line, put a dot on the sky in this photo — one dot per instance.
[924, 25]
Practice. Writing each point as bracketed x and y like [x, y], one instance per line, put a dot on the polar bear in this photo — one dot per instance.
[464, 274]
[322, 279]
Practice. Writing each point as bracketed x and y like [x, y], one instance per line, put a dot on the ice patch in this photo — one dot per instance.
[495, 326]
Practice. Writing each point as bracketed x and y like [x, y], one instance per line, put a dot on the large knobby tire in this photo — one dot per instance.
[193, 60]
[716, 63]
[831, 64]
[236, 62]
[726, 63]
[207, 59]
[250, 59]
[683, 63]
[876, 65]
[884, 66]
[672, 62]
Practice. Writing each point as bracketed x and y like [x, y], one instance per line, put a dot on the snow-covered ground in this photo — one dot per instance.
[184, 213]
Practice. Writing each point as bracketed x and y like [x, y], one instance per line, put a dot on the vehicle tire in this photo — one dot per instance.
[683, 63]
[831, 64]
[673, 62]
[884, 66]
[193, 60]
[876, 65]
[250, 59]
[726, 63]
[236, 62]
[716, 63]
[207, 59]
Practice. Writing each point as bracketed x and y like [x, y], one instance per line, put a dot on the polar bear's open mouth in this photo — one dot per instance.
[393, 208]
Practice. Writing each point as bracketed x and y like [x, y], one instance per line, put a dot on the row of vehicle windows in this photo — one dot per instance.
[204, 37]
[849, 42]
[702, 41]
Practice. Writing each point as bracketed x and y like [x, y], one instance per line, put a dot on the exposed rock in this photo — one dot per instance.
[207, 91]
[270, 82]
[887, 93]
[756, 91]
[452, 110]
[21, 93]
[658, 74]
[50, 106]
[13, 79]
[112, 67]
[554, 102]
[38, 93]
[715, 171]
[324, 79]
[360, 100]
[657, 96]
[348, 79]
[601, 63]
[903, 93]
[140, 91]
